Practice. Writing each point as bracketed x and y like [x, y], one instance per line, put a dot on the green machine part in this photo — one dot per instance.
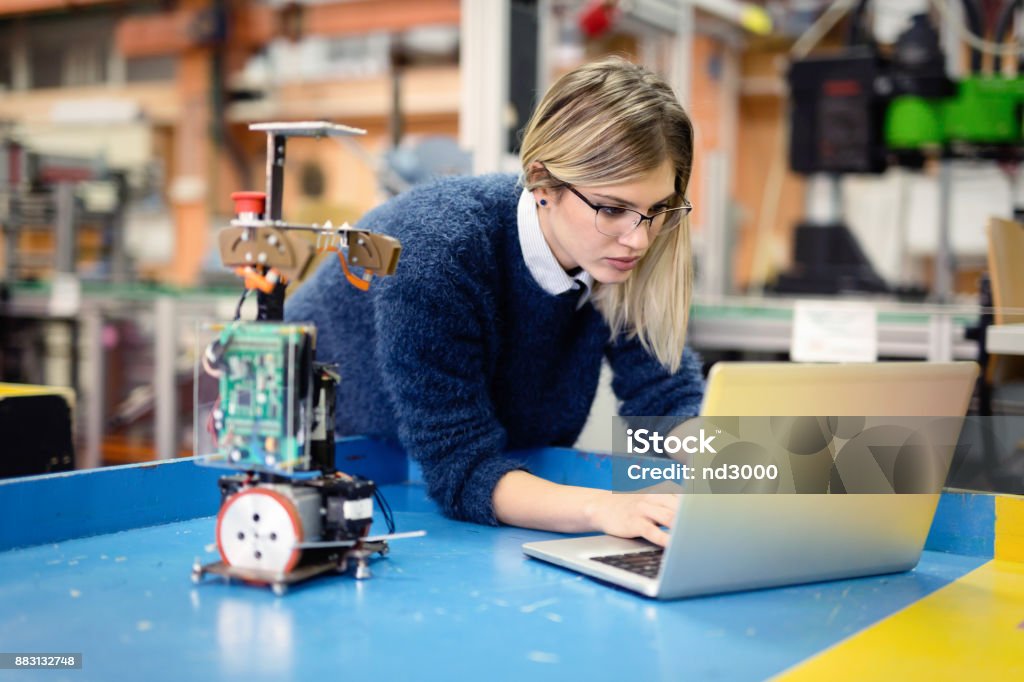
[985, 110]
[913, 122]
[265, 395]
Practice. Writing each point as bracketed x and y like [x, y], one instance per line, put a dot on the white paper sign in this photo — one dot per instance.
[65, 295]
[834, 331]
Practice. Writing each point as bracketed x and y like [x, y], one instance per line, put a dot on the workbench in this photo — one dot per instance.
[98, 563]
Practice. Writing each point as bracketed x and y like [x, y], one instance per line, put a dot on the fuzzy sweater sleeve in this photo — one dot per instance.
[648, 389]
[432, 346]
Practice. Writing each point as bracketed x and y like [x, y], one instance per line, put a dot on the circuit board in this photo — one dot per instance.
[263, 417]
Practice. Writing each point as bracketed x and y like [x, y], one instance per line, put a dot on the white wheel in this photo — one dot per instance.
[258, 528]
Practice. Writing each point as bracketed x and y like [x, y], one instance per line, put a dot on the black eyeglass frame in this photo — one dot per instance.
[687, 207]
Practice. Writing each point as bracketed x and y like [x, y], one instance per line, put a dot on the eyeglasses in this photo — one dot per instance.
[616, 221]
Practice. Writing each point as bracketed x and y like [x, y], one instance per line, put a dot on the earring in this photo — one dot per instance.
[543, 202]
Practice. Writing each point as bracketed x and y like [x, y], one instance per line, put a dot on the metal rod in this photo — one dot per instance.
[942, 290]
[164, 380]
[275, 174]
[371, 538]
[94, 387]
[64, 195]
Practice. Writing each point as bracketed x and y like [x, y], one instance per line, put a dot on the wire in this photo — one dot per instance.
[385, 509]
[986, 46]
[238, 308]
[837, 10]
[1003, 26]
[215, 351]
[854, 34]
[210, 428]
[972, 12]
[208, 368]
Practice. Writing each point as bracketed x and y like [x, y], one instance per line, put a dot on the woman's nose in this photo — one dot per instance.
[638, 239]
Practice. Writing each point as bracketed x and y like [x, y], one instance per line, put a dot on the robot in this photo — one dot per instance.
[286, 513]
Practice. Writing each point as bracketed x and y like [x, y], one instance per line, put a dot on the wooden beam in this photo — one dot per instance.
[192, 151]
[9, 7]
[254, 26]
[161, 34]
[362, 16]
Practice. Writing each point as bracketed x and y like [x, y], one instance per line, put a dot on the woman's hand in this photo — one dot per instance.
[635, 515]
[522, 499]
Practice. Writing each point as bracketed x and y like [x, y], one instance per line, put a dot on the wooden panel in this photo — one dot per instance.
[1005, 254]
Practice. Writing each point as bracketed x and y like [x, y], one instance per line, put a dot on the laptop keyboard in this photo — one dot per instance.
[644, 563]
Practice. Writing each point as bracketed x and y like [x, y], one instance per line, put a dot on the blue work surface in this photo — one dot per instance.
[461, 603]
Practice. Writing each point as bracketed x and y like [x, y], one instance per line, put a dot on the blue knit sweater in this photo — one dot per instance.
[460, 356]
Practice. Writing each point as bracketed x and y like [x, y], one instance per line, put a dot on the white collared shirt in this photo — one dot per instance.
[541, 261]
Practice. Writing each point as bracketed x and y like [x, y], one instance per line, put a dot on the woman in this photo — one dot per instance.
[510, 291]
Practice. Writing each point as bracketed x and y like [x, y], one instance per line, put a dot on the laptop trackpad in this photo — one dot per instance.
[579, 554]
[584, 548]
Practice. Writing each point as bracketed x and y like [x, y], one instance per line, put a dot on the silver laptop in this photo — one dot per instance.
[731, 542]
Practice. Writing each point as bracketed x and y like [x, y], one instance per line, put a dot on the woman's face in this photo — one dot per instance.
[568, 223]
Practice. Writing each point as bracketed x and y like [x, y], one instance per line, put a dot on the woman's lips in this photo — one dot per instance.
[623, 264]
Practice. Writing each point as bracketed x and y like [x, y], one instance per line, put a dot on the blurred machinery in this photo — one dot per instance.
[863, 110]
[287, 514]
[62, 219]
[60, 214]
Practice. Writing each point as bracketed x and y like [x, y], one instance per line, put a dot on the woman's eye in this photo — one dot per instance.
[612, 211]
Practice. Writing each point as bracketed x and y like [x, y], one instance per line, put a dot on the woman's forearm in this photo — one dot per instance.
[522, 499]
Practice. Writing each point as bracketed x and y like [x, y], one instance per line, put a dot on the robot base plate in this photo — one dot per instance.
[279, 582]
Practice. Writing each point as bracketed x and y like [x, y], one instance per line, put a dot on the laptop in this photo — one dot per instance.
[732, 542]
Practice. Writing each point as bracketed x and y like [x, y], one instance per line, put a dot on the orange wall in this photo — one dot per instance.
[762, 153]
[705, 109]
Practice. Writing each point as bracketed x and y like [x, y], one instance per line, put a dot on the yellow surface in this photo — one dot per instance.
[1010, 529]
[15, 390]
[972, 629]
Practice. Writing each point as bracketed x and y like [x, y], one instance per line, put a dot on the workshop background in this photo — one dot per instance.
[865, 153]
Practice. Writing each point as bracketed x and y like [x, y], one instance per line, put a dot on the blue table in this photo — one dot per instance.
[112, 582]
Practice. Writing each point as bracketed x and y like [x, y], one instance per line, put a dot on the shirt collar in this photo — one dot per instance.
[540, 260]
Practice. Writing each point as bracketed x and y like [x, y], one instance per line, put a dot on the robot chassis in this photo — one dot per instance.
[286, 514]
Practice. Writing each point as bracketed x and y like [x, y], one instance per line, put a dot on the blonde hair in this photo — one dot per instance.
[612, 122]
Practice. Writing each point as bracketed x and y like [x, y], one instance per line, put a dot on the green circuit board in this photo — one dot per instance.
[262, 420]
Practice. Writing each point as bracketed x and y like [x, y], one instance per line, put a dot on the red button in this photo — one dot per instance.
[249, 202]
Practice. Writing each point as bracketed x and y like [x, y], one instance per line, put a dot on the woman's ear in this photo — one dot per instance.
[542, 196]
[535, 171]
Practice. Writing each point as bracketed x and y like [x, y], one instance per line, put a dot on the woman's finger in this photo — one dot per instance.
[663, 516]
[655, 534]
